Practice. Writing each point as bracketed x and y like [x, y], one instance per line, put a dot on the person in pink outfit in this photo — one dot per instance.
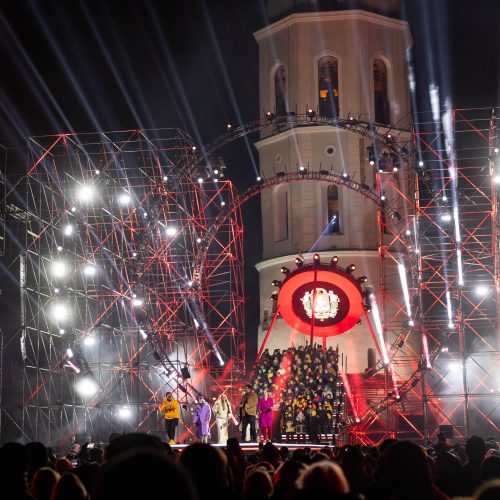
[265, 408]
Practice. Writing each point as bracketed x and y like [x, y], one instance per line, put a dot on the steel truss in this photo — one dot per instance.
[140, 311]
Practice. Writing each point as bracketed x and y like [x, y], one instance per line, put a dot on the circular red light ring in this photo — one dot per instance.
[336, 277]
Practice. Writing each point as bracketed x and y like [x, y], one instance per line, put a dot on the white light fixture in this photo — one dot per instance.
[496, 179]
[69, 352]
[89, 340]
[56, 290]
[138, 302]
[86, 193]
[408, 232]
[445, 198]
[165, 178]
[200, 180]
[59, 248]
[60, 312]
[222, 203]
[59, 269]
[68, 230]
[124, 412]
[171, 231]
[86, 387]
[97, 172]
[125, 199]
[144, 335]
[216, 172]
[259, 178]
[481, 290]
[451, 324]
[89, 270]
[420, 163]
[382, 198]
[411, 323]
[198, 240]
[134, 254]
[62, 331]
[446, 217]
[190, 283]
[73, 209]
[454, 366]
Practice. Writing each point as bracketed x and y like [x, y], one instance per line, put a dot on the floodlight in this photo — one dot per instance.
[198, 240]
[200, 180]
[68, 230]
[171, 231]
[481, 290]
[89, 340]
[86, 387]
[124, 412]
[138, 302]
[89, 270]
[222, 203]
[86, 193]
[59, 269]
[125, 199]
[60, 311]
[59, 248]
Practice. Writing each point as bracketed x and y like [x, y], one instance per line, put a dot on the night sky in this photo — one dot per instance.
[108, 65]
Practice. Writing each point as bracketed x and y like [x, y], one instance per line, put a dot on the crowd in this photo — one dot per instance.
[142, 466]
[307, 389]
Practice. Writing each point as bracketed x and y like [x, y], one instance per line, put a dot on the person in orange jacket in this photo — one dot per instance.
[170, 407]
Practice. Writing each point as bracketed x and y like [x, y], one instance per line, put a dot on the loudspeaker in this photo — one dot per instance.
[185, 373]
[447, 431]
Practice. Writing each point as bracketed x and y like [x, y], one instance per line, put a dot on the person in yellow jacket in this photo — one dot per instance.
[248, 412]
[170, 407]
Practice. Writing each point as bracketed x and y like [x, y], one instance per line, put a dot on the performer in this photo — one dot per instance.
[265, 407]
[223, 415]
[248, 409]
[170, 407]
[201, 419]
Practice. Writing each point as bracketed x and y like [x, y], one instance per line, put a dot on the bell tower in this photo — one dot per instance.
[329, 64]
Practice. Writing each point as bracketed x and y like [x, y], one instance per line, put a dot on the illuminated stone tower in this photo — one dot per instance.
[337, 63]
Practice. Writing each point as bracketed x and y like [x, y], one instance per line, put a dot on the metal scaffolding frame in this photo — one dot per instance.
[112, 229]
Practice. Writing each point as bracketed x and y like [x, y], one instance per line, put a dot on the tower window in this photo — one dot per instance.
[280, 213]
[382, 114]
[280, 90]
[328, 86]
[333, 210]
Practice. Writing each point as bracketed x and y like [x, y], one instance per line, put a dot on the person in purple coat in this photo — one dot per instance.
[265, 408]
[201, 419]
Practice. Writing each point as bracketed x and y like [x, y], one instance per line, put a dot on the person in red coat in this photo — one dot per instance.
[265, 408]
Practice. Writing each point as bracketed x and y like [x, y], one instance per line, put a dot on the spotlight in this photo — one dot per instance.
[144, 335]
[269, 115]
[274, 296]
[86, 387]
[200, 180]
[411, 322]
[444, 349]
[190, 283]
[351, 268]
[89, 341]
[344, 174]
[60, 312]
[316, 258]
[229, 126]
[216, 172]
[69, 352]
[383, 198]
[73, 209]
[62, 331]
[299, 262]
[125, 199]
[171, 231]
[446, 217]
[358, 420]
[496, 179]
[398, 396]
[372, 158]
[420, 163]
[454, 366]
[124, 412]
[408, 232]
[89, 270]
[59, 248]
[395, 169]
[311, 113]
[138, 302]
[222, 203]
[481, 290]
[451, 324]
[59, 269]
[259, 178]
[276, 283]
[362, 279]
[496, 150]
[193, 148]
[134, 254]
[68, 230]
[165, 178]
[56, 290]
[97, 172]
[285, 270]
[334, 260]
[302, 170]
[198, 240]
[86, 193]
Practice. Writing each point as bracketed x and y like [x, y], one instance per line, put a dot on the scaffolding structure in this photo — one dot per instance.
[115, 309]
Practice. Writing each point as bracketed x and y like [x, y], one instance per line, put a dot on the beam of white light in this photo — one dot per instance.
[69, 364]
[460, 268]
[425, 344]
[378, 328]
[348, 392]
[434, 98]
[449, 307]
[458, 237]
[454, 366]
[404, 285]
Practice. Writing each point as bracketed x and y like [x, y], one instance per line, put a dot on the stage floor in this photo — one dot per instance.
[256, 446]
